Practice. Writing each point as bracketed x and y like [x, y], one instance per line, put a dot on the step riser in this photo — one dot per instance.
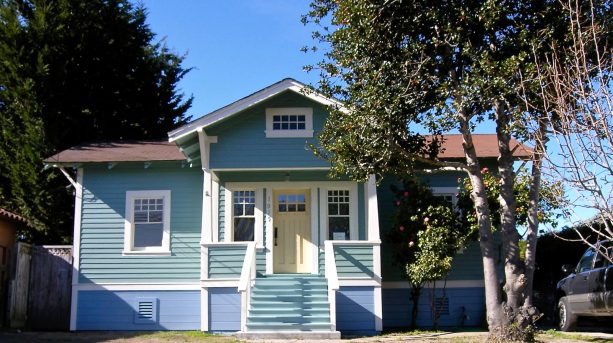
[289, 303]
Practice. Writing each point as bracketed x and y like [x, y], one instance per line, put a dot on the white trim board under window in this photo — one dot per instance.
[147, 223]
[289, 122]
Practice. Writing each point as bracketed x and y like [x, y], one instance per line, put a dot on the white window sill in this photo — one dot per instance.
[289, 134]
[146, 253]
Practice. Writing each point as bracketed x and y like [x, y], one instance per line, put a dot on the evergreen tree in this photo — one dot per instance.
[75, 71]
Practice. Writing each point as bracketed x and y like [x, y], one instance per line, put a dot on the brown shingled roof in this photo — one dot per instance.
[10, 216]
[122, 151]
[485, 144]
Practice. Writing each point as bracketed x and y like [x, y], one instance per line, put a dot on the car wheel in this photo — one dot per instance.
[567, 319]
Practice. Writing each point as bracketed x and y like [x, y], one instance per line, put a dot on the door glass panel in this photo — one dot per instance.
[585, 263]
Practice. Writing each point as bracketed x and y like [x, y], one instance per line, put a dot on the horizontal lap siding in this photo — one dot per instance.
[466, 307]
[242, 141]
[355, 309]
[466, 265]
[224, 309]
[353, 261]
[102, 225]
[108, 310]
[226, 262]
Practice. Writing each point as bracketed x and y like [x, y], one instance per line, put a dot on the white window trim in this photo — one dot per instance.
[307, 112]
[128, 247]
[258, 234]
[353, 208]
[439, 191]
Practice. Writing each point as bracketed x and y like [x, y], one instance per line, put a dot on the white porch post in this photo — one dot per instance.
[207, 225]
[207, 204]
[76, 244]
[373, 236]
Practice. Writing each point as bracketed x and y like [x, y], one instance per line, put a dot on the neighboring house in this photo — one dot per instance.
[9, 224]
[234, 226]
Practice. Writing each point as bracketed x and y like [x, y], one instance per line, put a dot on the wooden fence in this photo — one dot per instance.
[40, 287]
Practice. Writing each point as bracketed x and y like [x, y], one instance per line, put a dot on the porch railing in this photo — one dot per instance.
[357, 260]
[248, 274]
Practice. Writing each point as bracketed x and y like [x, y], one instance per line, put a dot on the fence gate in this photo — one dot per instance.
[41, 287]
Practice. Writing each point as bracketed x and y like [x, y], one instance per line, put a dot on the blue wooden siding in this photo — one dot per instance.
[242, 142]
[466, 307]
[224, 309]
[226, 262]
[108, 310]
[102, 223]
[466, 265]
[353, 260]
[355, 310]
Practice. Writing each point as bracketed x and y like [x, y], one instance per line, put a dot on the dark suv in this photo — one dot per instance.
[588, 289]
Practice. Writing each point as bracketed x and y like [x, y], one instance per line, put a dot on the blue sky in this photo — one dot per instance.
[236, 47]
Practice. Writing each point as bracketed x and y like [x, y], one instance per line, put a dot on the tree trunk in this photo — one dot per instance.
[513, 265]
[415, 293]
[493, 300]
[533, 221]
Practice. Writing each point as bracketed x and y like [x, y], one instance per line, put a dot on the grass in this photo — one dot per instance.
[185, 336]
[552, 334]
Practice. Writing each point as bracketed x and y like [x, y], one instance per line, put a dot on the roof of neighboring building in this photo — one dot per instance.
[120, 151]
[10, 216]
[138, 151]
[485, 144]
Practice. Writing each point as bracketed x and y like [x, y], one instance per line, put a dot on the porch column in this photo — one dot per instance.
[207, 204]
[373, 236]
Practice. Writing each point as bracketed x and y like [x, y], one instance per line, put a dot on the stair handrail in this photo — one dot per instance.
[244, 283]
[330, 262]
[248, 270]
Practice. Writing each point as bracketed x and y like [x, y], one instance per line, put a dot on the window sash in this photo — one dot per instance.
[243, 214]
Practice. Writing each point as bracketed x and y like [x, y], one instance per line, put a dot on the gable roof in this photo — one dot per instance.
[486, 146]
[247, 102]
[119, 151]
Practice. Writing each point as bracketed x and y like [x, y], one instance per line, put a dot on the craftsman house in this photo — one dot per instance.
[233, 225]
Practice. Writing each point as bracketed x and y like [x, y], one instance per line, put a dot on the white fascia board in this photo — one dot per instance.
[247, 102]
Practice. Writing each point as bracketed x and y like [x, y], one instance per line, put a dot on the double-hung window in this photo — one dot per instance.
[338, 214]
[147, 222]
[243, 215]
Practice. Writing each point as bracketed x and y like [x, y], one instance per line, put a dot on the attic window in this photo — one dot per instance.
[291, 122]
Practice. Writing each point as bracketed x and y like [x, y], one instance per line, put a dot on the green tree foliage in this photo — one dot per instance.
[549, 200]
[426, 235]
[75, 71]
[445, 65]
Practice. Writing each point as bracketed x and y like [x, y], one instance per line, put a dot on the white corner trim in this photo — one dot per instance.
[76, 250]
[128, 247]
[204, 309]
[249, 101]
[215, 205]
[258, 227]
[378, 308]
[373, 209]
[307, 132]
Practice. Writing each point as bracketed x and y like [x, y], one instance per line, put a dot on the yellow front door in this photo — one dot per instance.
[292, 231]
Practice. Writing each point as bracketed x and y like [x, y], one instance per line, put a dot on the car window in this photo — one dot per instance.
[585, 263]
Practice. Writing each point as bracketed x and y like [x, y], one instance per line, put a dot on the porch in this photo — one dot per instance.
[291, 256]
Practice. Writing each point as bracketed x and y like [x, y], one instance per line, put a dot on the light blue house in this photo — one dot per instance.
[234, 226]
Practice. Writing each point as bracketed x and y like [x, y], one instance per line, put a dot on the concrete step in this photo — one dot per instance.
[289, 335]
